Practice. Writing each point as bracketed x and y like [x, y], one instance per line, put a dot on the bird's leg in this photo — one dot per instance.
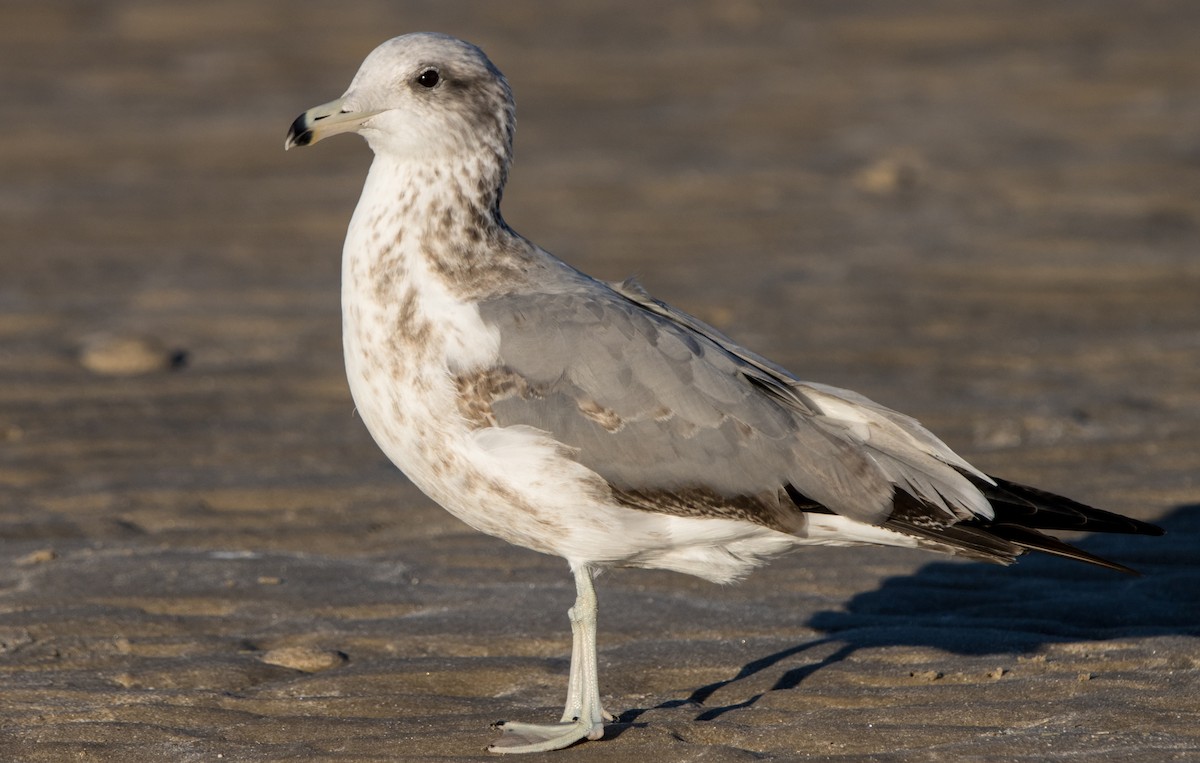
[583, 717]
[584, 682]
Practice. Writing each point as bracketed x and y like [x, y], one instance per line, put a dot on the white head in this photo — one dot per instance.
[421, 97]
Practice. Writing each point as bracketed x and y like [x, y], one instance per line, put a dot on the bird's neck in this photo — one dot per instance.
[439, 219]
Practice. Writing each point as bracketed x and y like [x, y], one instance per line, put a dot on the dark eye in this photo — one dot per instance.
[428, 78]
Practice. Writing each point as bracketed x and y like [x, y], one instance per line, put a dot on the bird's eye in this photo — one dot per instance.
[428, 78]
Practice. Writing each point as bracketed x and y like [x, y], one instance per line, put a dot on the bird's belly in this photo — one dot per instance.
[410, 407]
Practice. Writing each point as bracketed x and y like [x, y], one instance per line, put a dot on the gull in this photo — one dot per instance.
[590, 420]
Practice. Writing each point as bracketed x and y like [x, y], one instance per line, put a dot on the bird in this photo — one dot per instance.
[589, 420]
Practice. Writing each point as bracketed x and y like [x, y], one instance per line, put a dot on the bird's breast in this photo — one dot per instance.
[405, 338]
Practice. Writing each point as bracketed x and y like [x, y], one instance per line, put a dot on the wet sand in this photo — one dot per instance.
[987, 217]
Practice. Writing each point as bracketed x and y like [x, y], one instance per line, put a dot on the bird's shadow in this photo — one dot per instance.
[978, 609]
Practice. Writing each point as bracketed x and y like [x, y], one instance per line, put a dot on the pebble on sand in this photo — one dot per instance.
[303, 658]
[128, 355]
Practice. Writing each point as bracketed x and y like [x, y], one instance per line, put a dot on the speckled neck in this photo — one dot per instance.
[447, 217]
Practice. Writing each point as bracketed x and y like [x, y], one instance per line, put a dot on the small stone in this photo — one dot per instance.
[269, 580]
[891, 175]
[117, 355]
[12, 640]
[41, 556]
[304, 658]
[1086, 677]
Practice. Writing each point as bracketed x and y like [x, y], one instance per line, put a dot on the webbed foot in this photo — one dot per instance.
[536, 737]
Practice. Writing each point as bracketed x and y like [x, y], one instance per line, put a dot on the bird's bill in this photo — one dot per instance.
[322, 121]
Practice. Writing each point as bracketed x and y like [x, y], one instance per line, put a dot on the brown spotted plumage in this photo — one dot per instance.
[590, 420]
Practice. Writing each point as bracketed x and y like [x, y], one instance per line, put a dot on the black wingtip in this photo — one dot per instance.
[1019, 504]
[1022, 514]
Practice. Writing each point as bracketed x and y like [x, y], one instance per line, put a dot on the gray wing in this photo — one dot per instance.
[666, 409]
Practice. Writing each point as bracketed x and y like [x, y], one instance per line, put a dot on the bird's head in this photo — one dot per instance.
[421, 97]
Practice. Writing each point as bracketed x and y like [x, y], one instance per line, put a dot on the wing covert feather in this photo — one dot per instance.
[651, 405]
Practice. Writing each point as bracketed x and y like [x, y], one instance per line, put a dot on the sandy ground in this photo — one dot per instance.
[986, 215]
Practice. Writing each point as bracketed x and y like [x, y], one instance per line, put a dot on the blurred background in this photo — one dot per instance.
[986, 215]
